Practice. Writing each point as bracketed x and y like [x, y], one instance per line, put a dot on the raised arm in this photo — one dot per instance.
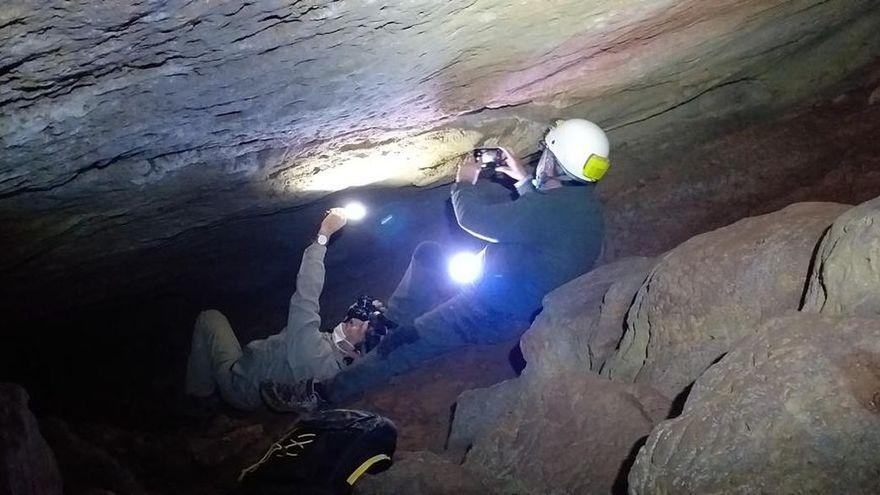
[303, 313]
[490, 221]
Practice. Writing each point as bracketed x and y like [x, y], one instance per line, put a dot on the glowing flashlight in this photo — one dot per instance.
[466, 268]
[355, 211]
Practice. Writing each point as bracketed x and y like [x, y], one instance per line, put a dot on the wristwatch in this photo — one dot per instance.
[322, 239]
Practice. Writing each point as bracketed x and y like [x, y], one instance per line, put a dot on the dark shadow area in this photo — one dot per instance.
[517, 360]
[678, 402]
[814, 265]
[621, 484]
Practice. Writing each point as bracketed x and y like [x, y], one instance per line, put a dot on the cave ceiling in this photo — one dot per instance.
[126, 124]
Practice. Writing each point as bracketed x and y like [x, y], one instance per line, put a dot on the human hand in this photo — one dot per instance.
[468, 170]
[512, 167]
[333, 221]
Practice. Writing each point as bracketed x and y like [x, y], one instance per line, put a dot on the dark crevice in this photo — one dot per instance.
[9, 67]
[684, 102]
[679, 401]
[621, 483]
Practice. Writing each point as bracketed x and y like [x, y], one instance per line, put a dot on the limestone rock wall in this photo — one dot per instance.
[570, 433]
[793, 409]
[845, 277]
[783, 401]
[129, 125]
[580, 324]
[708, 293]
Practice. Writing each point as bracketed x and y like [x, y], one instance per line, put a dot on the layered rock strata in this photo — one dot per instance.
[124, 127]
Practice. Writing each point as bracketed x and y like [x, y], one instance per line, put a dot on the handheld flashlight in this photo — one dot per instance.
[466, 267]
[355, 211]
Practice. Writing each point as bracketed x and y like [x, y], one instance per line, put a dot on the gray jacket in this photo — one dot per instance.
[300, 351]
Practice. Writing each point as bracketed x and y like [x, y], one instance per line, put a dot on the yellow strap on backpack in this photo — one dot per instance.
[365, 466]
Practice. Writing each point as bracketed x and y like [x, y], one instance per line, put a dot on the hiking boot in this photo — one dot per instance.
[301, 397]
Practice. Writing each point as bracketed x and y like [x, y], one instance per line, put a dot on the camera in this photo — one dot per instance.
[489, 157]
[365, 309]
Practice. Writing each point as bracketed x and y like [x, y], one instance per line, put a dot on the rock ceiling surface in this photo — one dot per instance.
[124, 124]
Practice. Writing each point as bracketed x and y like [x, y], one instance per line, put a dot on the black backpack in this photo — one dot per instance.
[324, 453]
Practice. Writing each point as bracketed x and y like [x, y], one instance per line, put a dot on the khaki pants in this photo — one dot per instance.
[214, 352]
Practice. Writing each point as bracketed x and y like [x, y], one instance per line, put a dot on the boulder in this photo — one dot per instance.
[480, 410]
[423, 473]
[582, 321]
[709, 292]
[845, 278]
[574, 433]
[27, 464]
[793, 409]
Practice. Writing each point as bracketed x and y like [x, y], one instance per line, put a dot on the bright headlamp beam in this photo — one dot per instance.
[465, 267]
[355, 211]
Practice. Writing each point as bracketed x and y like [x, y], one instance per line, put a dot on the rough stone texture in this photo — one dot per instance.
[211, 452]
[582, 321]
[420, 401]
[423, 473]
[875, 97]
[478, 411]
[792, 409]
[574, 433]
[125, 126]
[706, 294]
[27, 464]
[577, 330]
[88, 466]
[845, 277]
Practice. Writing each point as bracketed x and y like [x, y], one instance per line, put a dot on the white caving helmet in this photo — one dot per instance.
[579, 147]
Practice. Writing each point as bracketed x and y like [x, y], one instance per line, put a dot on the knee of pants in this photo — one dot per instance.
[211, 319]
[429, 253]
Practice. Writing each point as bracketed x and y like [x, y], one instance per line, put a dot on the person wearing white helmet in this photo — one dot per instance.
[578, 148]
[551, 233]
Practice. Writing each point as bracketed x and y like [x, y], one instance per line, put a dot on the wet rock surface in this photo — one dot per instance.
[845, 277]
[709, 292]
[792, 409]
[27, 464]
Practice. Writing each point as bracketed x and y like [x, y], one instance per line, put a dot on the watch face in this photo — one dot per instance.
[322, 240]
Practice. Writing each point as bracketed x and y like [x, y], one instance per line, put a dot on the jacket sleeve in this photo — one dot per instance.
[489, 221]
[303, 320]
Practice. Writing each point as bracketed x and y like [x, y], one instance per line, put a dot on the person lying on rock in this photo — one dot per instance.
[550, 234]
[300, 351]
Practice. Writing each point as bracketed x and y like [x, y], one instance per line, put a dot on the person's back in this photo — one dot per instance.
[554, 237]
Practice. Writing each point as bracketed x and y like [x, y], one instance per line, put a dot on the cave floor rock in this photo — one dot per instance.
[203, 451]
